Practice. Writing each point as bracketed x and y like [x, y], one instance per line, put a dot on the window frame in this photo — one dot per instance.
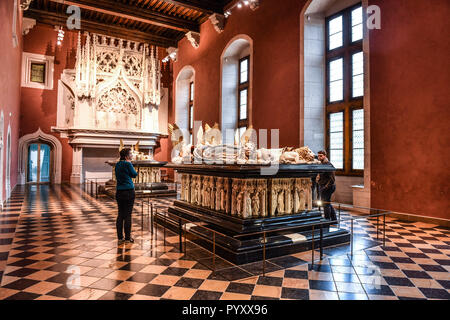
[241, 87]
[348, 103]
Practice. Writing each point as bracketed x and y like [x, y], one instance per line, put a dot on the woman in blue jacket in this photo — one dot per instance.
[125, 194]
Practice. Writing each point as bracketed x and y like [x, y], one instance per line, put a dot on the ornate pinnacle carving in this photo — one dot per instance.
[194, 38]
[218, 22]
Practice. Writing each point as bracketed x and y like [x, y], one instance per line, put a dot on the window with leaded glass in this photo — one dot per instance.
[345, 89]
[243, 94]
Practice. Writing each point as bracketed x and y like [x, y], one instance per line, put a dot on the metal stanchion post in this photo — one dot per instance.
[142, 215]
[351, 239]
[312, 247]
[92, 183]
[321, 244]
[164, 226]
[214, 251]
[384, 230]
[378, 222]
[185, 235]
[180, 238]
[264, 254]
[339, 213]
[155, 221]
[96, 188]
[151, 217]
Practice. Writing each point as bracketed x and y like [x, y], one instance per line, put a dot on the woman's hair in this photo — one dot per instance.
[124, 152]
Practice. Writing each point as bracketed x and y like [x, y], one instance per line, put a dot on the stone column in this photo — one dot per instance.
[77, 165]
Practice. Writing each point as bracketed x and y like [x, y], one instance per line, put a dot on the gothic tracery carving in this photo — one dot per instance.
[118, 100]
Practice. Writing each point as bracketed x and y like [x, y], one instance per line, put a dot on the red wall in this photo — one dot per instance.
[409, 111]
[275, 31]
[10, 83]
[38, 107]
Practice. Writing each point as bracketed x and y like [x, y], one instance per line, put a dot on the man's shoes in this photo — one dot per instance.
[131, 240]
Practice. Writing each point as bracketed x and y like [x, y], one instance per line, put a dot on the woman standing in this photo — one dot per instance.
[125, 194]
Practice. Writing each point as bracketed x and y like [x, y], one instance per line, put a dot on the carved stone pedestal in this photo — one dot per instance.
[239, 203]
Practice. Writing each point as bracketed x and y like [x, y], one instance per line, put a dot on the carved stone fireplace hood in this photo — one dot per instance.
[113, 93]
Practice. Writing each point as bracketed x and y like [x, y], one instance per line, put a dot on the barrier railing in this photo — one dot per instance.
[377, 214]
[163, 217]
[91, 187]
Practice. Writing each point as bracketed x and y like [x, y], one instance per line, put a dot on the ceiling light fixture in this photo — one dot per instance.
[60, 36]
[253, 4]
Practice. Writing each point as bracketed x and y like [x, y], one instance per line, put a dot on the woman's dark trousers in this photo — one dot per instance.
[125, 202]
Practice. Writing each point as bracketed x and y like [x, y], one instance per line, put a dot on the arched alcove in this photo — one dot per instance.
[56, 154]
[183, 98]
[238, 48]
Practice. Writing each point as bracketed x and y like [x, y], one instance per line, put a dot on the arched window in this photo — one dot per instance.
[185, 97]
[236, 86]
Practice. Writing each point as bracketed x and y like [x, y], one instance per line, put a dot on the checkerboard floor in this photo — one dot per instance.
[59, 243]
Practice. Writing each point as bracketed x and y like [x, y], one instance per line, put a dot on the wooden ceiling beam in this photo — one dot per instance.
[199, 5]
[52, 18]
[134, 13]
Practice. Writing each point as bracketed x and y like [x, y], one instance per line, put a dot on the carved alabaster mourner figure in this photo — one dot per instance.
[248, 198]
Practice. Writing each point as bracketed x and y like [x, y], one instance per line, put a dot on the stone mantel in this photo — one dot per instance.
[98, 138]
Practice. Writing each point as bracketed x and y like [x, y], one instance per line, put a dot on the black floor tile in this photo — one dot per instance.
[243, 288]
[435, 293]
[153, 290]
[262, 298]
[382, 290]
[230, 274]
[416, 274]
[116, 296]
[444, 283]
[21, 284]
[23, 296]
[64, 292]
[142, 277]
[297, 274]
[291, 293]
[443, 262]
[173, 271]
[189, 283]
[206, 295]
[287, 261]
[136, 267]
[257, 268]
[402, 260]
[272, 281]
[432, 268]
[322, 285]
[22, 272]
[105, 284]
[397, 281]
[319, 267]
[23, 263]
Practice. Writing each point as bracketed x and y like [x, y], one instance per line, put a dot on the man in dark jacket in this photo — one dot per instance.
[327, 186]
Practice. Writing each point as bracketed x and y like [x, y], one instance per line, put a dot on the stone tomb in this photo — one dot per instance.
[238, 202]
